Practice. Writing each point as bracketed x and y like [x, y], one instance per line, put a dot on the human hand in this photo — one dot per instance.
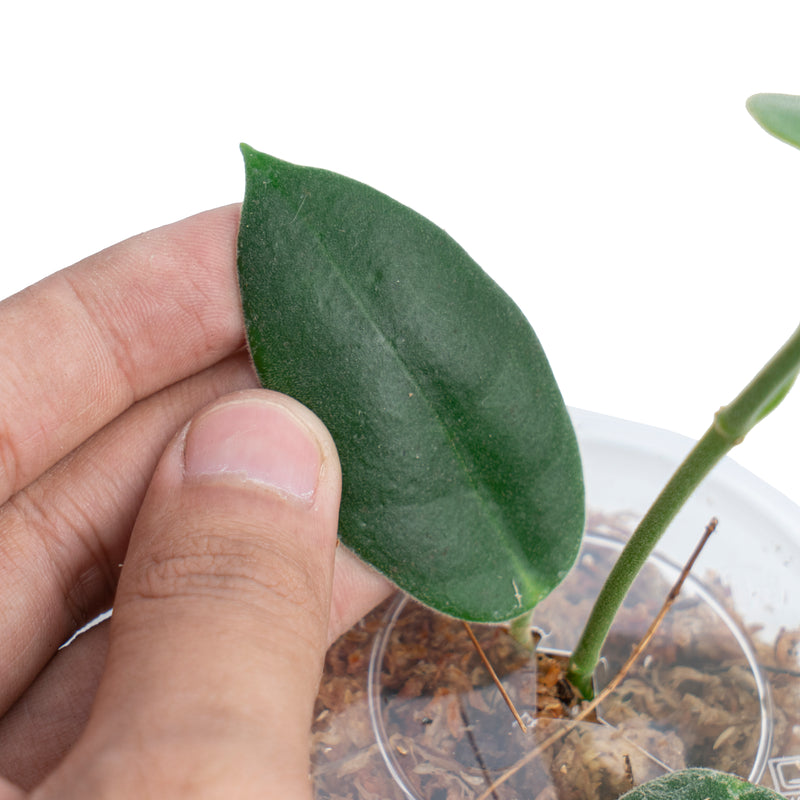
[231, 587]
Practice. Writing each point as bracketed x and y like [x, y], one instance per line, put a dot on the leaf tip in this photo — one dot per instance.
[247, 152]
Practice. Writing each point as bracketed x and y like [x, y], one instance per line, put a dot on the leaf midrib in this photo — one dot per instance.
[477, 486]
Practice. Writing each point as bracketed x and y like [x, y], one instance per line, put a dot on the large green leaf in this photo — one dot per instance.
[462, 479]
[778, 114]
[700, 784]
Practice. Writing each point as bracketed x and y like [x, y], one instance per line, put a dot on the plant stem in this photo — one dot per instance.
[731, 424]
[637, 651]
[521, 629]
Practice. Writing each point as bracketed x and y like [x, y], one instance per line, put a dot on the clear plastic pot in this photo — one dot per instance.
[721, 683]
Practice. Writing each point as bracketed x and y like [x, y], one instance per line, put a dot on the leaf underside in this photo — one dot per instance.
[462, 480]
[700, 784]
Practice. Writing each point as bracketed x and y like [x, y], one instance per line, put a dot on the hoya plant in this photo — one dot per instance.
[462, 478]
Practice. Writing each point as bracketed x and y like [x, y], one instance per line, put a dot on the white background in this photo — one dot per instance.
[595, 157]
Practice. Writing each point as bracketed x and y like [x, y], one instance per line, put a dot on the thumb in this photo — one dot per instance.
[221, 618]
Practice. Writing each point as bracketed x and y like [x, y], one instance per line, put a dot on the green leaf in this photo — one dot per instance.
[778, 114]
[462, 478]
[700, 784]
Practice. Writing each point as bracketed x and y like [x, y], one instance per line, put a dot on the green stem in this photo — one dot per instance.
[521, 628]
[731, 424]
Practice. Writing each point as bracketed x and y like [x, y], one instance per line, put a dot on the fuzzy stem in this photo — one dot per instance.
[730, 425]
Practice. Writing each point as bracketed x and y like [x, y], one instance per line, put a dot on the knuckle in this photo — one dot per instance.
[252, 569]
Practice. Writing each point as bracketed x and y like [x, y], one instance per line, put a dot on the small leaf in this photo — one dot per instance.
[461, 475]
[778, 114]
[700, 784]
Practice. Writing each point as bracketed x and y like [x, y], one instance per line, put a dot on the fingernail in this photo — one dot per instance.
[255, 440]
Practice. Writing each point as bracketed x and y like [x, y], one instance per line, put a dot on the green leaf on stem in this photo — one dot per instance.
[462, 478]
[778, 114]
[700, 784]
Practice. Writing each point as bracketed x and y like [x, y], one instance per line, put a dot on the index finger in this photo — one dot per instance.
[84, 344]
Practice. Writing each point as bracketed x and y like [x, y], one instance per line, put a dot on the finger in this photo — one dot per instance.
[63, 537]
[43, 725]
[357, 589]
[139, 316]
[222, 615]
[46, 721]
[10, 792]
